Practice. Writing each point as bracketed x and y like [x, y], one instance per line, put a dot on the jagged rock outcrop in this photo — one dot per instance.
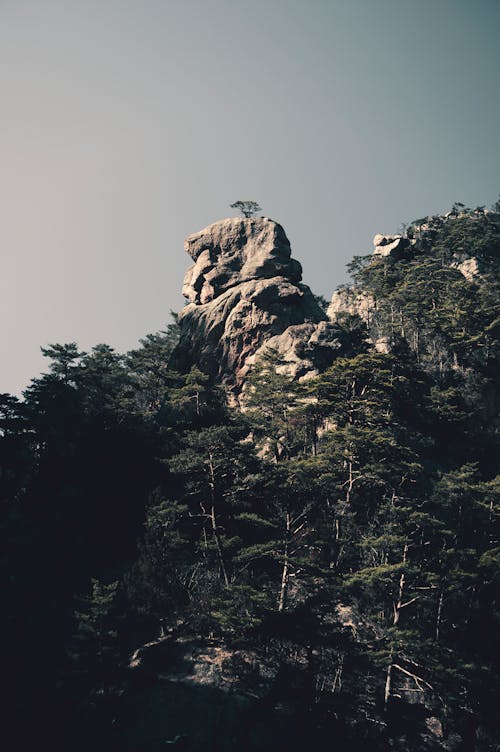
[244, 295]
[391, 245]
[233, 251]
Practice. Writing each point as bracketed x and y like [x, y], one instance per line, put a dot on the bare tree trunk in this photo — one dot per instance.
[398, 605]
[285, 570]
[213, 522]
[350, 416]
[287, 429]
[388, 682]
[205, 539]
[416, 339]
[342, 511]
[219, 547]
[350, 485]
[438, 615]
[396, 612]
[337, 680]
[314, 437]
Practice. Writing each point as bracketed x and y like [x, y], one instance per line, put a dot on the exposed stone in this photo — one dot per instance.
[349, 300]
[391, 245]
[469, 268]
[236, 250]
[245, 295]
[204, 662]
[435, 726]
[382, 345]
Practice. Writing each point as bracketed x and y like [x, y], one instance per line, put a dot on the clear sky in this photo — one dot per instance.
[128, 124]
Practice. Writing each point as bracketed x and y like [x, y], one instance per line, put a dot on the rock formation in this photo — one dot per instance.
[468, 267]
[348, 300]
[244, 295]
[391, 245]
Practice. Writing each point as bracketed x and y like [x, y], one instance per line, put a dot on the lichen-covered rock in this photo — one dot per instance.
[245, 295]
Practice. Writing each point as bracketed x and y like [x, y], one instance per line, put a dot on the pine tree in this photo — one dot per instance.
[149, 366]
[160, 582]
[270, 397]
[96, 649]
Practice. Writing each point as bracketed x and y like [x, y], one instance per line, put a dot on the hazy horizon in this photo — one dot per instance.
[128, 125]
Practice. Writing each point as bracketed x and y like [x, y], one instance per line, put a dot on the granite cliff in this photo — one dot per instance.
[244, 295]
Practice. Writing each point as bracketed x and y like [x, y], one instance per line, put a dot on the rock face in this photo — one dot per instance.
[350, 301]
[234, 251]
[245, 294]
[391, 245]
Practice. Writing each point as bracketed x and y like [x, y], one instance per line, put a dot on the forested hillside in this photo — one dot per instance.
[319, 569]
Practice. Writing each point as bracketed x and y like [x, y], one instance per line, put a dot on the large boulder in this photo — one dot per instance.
[244, 295]
[233, 251]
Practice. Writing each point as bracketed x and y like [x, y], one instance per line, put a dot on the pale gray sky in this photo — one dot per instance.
[128, 124]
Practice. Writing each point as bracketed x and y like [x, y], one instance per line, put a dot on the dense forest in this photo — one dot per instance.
[317, 570]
